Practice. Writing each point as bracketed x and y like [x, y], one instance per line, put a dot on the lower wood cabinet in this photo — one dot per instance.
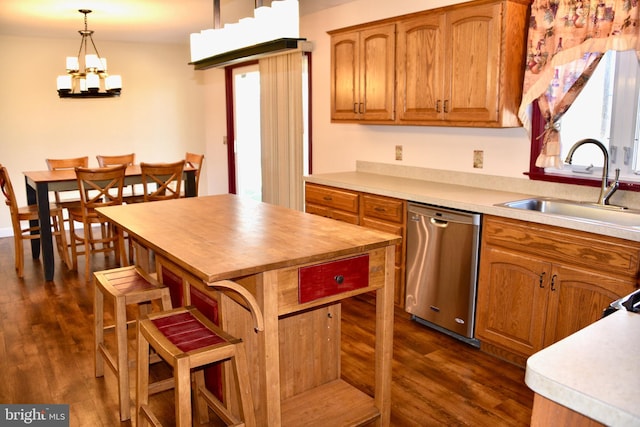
[381, 213]
[539, 284]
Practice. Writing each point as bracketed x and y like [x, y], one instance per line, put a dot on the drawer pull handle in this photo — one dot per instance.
[379, 209]
[553, 282]
[339, 278]
[542, 279]
[327, 198]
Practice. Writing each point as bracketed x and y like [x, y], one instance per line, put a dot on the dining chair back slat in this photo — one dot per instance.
[161, 181]
[123, 159]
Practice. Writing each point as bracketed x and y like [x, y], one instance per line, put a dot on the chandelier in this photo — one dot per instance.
[86, 81]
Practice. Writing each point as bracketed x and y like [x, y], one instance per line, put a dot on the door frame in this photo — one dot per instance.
[231, 134]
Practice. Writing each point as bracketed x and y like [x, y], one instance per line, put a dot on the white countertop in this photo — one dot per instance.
[594, 371]
[463, 197]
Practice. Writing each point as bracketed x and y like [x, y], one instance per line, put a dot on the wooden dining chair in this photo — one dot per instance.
[161, 181]
[67, 199]
[98, 187]
[67, 164]
[195, 161]
[130, 196]
[30, 213]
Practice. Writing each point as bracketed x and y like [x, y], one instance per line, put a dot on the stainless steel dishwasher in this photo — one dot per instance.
[442, 269]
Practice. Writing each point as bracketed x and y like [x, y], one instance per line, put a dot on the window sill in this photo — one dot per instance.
[565, 179]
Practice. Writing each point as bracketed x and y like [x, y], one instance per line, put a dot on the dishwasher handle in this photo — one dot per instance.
[436, 222]
[439, 222]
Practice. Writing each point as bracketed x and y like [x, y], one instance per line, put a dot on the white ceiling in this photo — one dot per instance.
[162, 21]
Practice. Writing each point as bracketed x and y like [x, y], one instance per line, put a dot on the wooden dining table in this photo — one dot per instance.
[40, 183]
[299, 267]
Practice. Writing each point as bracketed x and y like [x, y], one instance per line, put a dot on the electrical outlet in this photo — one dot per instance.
[478, 159]
[398, 152]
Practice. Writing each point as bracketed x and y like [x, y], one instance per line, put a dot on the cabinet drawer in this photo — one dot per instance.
[384, 208]
[331, 278]
[596, 252]
[331, 197]
[326, 212]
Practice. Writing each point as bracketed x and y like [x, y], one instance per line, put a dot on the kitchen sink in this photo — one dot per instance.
[590, 212]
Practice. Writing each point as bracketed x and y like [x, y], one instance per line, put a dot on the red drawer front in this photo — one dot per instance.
[331, 278]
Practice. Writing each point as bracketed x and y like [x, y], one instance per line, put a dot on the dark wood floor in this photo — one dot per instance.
[46, 356]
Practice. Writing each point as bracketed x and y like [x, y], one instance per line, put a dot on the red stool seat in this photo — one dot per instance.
[186, 332]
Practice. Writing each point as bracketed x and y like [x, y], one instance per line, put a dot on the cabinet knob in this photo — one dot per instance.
[339, 278]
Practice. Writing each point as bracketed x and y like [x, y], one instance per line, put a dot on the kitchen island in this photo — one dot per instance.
[299, 267]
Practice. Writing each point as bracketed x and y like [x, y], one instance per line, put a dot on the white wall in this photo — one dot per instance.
[159, 115]
[338, 146]
[167, 108]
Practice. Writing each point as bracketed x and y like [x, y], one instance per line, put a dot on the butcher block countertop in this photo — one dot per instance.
[467, 197]
[593, 372]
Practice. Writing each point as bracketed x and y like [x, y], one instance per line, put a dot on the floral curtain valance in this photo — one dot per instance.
[565, 43]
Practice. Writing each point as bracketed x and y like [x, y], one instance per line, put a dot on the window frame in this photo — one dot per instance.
[538, 174]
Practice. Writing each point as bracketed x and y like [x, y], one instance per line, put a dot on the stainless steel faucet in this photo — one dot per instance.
[606, 190]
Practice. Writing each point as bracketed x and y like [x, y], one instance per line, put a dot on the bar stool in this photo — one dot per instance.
[124, 286]
[187, 340]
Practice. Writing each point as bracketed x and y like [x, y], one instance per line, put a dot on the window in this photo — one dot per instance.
[606, 110]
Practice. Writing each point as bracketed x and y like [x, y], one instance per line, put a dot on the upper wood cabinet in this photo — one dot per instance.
[461, 65]
[362, 74]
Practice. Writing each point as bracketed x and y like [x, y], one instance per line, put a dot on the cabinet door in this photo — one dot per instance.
[512, 300]
[577, 298]
[473, 59]
[345, 77]
[377, 72]
[420, 67]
